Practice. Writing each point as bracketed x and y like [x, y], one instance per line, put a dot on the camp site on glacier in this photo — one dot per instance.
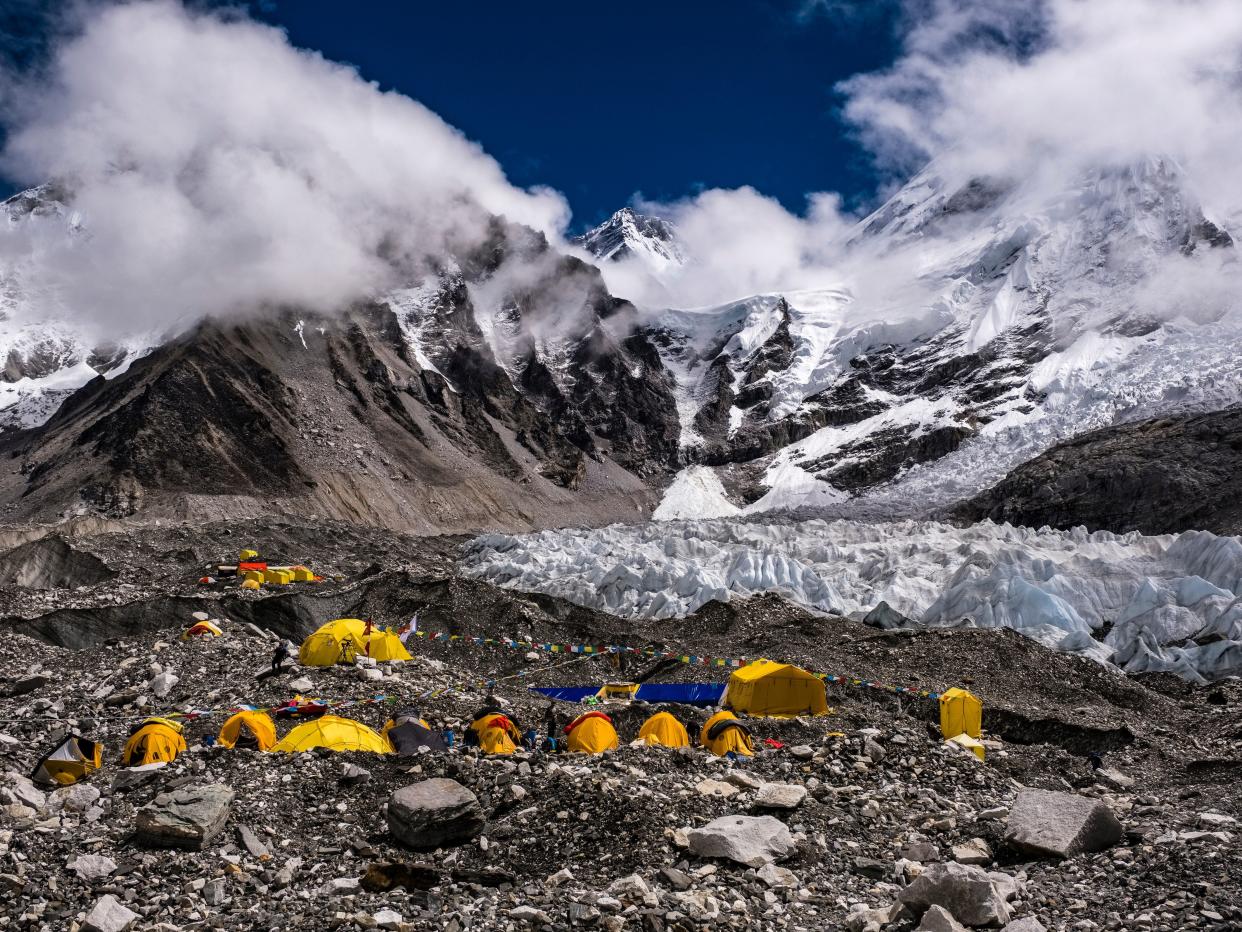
[735, 466]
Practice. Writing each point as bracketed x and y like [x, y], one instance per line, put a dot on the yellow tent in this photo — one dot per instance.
[159, 739]
[622, 691]
[68, 762]
[961, 713]
[335, 734]
[496, 733]
[765, 688]
[205, 628]
[346, 639]
[591, 733]
[665, 731]
[723, 733]
[971, 744]
[259, 726]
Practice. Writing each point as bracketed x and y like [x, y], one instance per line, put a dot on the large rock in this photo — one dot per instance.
[92, 867]
[1046, 823]
[185, 818]
[434, 813]
[939, 919]
[133, 777]
[1029, 924]
[109, 915]
[750, 840]
[21, 789]
[780, 796]
[966, 892]
[162, 684]
[885, 617]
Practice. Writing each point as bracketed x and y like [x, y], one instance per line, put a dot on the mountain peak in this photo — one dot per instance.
[630, 234]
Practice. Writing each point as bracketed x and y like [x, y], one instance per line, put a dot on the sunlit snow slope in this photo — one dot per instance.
[1172, 601]
[975, 325]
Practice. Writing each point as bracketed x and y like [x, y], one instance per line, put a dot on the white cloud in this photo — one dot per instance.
[217, 168]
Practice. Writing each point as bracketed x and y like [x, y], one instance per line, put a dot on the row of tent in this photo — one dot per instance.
[161, 740]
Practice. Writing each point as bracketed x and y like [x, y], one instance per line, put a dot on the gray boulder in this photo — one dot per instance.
[92, 867]
[885, 617]
[185, 818]
[939, 919]
[1045, 823]
[133, 777]
[780, 796]
[965, 891]
[750, 840]
[108, 915]
[1029, 924]
[434, 813]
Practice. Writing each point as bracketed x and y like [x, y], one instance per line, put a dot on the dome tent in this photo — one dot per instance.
[156, 739]
[408, 735]
[495, 733]
[765, 688]
[662, 730]
[346, 639]
[248, 728]
[591, 733]
[724, 733]
[72, 759]
[335, 734]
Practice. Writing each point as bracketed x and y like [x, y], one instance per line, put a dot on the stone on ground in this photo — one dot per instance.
[1028, 924]
[965, 891]
[185, 818]
[434, 813]
[780, 796]
[108, 915]
[975, 851]
[750, 840]
[939, 919]
[92, 867]
[1046, 823]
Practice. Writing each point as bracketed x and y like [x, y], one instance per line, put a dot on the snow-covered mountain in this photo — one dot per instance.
[46, 357]
[628, 234]
[976, 325]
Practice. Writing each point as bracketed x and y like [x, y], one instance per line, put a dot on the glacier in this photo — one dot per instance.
[1170, 603]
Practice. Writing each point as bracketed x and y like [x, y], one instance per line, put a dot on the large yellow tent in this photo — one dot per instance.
[961, 713]
[259, 727]
[346, 639]
[335, 734]
[723, 734]
[203, 628]
[72, 759]
[159, 739]
[665, 731]
[496, 733]
[591, 733]
[766, 688]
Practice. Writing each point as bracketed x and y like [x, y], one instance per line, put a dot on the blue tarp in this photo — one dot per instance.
[705, 694]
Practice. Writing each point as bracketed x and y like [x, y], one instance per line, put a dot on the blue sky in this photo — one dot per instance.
[606, 101]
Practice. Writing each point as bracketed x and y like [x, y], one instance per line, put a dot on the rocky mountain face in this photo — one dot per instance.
[1158, 476]
[465, 400]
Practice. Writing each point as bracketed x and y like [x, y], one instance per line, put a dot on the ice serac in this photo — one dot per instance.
[1141, 603]
[977, 323]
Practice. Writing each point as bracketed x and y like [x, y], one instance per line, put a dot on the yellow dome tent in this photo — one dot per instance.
[591, 733]
[72, 759]
[768, 689]
[961, 713]
[204, 628]
[723, 734]
[663, 730]
[346, 639]
[496, 733]
[335, 734]
[158, 739]
[261, 730]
